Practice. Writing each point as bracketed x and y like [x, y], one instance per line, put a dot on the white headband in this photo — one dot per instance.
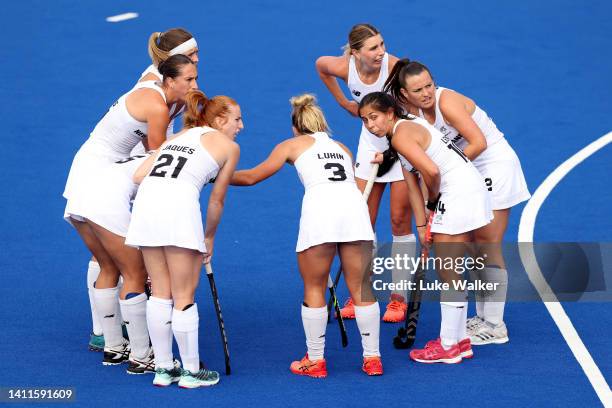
[184, 47]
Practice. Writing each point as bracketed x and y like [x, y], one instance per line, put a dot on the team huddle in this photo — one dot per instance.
[133, 195]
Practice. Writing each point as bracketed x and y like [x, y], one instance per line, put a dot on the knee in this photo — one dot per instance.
[400, 224]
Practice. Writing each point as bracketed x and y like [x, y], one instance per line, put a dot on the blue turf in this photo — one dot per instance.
[540, 69]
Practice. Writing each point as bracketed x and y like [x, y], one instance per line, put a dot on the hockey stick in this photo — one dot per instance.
[213, 289]
[366, 193]
[407, 334]
[334, 299]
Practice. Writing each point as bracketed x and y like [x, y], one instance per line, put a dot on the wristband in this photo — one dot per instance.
[431, 205]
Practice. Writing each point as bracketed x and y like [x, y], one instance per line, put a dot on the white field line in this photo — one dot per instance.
[525, 234]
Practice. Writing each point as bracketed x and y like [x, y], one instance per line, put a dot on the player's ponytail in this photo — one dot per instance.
[393, 84]
[195, 106]
[160, 44]
[306, 116]
[202, 111]
[403, 69]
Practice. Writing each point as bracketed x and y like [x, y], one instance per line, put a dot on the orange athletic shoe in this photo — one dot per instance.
[348, 311]
[396, 312]
[435, 353]
[465, 346]
[372, 365]
[315, 369]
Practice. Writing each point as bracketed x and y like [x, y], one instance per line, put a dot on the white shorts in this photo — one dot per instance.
[107, 203]
[85, 165]
[464, 205]
[503, 175]
[166, 214]
[369, 145]
[333, 213]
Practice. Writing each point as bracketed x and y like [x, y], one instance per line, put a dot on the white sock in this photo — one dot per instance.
[107, 307]
[185, 324]
[478, 275]
[93, 271]
[496, 301]
[368, 322]
[159, 322]
[134, 312]
[402, 245]
[314, 320]
[453, 322]
[462, 329]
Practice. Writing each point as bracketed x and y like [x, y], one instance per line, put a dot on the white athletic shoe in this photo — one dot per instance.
[488, 334]
[473, 324]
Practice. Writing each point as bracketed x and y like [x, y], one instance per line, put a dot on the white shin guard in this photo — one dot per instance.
[314, 320]
[368, 322]
[159, 322]
[185, 324]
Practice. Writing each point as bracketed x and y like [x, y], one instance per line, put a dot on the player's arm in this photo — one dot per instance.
[265, 169]
[145, 167]
[415, 198]
[330, 69]
[407, 145]
[157, 125]
[452, 106]
[216, 201]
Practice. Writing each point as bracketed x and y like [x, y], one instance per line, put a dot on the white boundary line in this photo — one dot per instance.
[121, 17]
[525, 234]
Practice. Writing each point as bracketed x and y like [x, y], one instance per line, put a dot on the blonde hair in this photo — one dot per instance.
[202, 111]
[357, 37]
[160, 43]
[306, 116]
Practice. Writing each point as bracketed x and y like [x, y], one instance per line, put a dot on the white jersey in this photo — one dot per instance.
[357, 88]
[498, 163]
[324, 162]
[441, 149]
[480, 117]
[332, 208]
[118, 132]
[465, 204]
[369, 144]
[166, 210]
[107, 197]
[184, 160]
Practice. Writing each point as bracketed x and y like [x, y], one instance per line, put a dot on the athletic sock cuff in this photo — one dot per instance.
[314, 312]
[135, 300]
[106, 293]
[185, 320]
[369, 310]
[404, 238]
[160, 301]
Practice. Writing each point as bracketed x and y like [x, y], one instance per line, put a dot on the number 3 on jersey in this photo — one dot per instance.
[339, 173]
[166, 160]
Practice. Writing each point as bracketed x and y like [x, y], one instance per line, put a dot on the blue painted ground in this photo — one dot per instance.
[540, 69]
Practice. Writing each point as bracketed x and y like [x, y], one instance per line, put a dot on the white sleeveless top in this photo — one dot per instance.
[118, 132]
[357, 88]
[325, 162]
[184, 160]
[441, 150]
[480, 117]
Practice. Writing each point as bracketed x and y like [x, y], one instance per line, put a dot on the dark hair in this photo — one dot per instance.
[171, 68]
[161, 43]
[382, 102]
[397, 77]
